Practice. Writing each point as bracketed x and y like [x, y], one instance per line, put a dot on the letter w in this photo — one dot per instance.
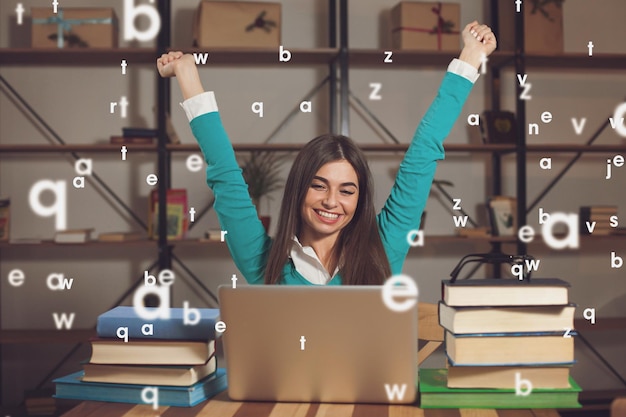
[200, 58]
[394, 391]
[532, 264]
[615, 123]
[63, 321]
[460, 221]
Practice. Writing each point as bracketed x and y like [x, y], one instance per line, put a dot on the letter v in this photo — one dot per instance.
[579, 125]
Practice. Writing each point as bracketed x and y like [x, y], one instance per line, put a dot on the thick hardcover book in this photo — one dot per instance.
[460, 320]
[73, 387]
[508, 349]
[149, 374]
[505, 292]
[151, 352]
[435, 394]
[172, 328]
[505, 376]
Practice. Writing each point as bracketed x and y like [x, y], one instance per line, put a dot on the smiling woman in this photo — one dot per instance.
[328, 207]
[328, 231]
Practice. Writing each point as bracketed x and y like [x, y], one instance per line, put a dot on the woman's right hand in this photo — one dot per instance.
[169, 63]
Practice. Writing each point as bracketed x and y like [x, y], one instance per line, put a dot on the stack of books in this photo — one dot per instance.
[509, 344]
[131, 353]
[597, 220]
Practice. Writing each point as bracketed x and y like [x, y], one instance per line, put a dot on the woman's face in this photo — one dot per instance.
[330, 201]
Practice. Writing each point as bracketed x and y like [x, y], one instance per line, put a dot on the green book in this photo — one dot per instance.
[434, 393]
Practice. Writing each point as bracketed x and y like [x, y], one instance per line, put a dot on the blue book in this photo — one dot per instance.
[73, 387]
[173, 328]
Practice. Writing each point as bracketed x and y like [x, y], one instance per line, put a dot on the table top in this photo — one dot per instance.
[221, 406]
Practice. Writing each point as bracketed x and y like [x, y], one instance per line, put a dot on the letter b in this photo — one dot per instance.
[616, 261]
[188, 313]
[130, 14]
[519, 383]
[284, 55]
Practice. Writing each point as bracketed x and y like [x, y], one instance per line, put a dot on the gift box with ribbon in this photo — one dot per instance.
[543, 26]
[430, 26]
[74, 28]
[237, 24]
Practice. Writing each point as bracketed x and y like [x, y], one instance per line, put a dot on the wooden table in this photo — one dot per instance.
[221, 406]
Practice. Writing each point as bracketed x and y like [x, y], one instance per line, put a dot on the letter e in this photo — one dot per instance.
[152, 179]
[220, 327]
[194, 163]
[16, 277]
[399, 286]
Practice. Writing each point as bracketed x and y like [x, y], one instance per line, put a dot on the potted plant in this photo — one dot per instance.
[261, 171]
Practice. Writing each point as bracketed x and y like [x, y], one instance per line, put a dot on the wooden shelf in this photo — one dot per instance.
[370, 58]
[264, 56]
[35, 336]
[294, 147]
[575, 148]
[373, 147]
[576, 61]
[375, 58]
[113, 56]
[77, 57]
[90, 244]
[73, 148]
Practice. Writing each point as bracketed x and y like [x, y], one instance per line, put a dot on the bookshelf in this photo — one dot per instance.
[338, 57]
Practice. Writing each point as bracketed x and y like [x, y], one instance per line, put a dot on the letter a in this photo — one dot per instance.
[545, 163]
[473, 119]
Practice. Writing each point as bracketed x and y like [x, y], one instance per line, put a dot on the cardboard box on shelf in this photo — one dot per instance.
[74, 28]
[428, 26]
[237, 24]
[543, 26]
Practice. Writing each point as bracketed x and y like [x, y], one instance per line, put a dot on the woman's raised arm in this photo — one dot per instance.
[183, 67]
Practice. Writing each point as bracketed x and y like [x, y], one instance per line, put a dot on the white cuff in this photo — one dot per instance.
[199, 105]
[463, 69]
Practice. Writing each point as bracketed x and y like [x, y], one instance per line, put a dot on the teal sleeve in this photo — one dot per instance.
[246, 238]
[405, 204]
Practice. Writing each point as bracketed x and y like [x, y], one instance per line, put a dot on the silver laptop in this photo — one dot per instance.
[318, 344]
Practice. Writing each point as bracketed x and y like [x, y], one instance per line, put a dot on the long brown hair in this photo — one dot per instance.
[359, 247]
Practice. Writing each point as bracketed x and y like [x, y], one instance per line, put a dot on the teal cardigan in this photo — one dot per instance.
[247, 240]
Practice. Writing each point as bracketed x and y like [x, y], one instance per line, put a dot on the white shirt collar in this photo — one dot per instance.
[308, 264]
